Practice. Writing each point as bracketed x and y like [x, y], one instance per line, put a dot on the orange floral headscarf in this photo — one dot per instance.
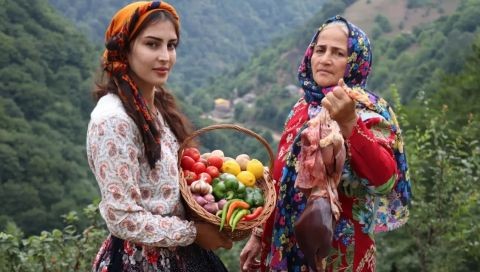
[123, 27]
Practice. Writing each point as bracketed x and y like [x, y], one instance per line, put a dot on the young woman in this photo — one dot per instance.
[132, 143]
[374, 189]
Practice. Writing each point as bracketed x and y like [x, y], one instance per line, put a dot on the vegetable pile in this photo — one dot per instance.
[224, 186]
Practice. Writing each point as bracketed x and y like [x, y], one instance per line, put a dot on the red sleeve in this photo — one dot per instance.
[370, 151]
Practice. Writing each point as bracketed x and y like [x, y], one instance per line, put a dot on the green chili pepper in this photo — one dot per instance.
[238, 217]
[224, 212]
[230, 222]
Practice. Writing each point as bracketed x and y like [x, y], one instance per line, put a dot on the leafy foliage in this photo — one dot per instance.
[444, 158]
[44, 100]
[69, 249]
[425, 52]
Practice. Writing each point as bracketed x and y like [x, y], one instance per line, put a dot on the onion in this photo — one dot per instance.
[200, 199]
[209, 197]
[211, 207]
[221, 202]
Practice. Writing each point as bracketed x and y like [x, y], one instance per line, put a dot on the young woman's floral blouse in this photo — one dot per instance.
[139, 204]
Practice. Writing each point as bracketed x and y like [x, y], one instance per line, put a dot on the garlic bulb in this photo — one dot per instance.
[200, 187]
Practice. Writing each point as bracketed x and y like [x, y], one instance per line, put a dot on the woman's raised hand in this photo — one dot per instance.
[341, 107]
[210, 238]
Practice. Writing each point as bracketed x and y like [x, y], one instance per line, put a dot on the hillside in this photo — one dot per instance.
[403, 15]
[45, 75]
[270, 73]
[216, 35]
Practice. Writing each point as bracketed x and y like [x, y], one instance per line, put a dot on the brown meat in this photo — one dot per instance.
[320, 164]
[314, 231]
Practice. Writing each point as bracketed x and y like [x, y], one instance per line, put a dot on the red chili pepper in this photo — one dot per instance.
[254, 214]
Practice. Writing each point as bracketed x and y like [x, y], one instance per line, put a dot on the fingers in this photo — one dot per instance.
[243, 256]
[251, 264]
[340, 92]
[248, 261]
[326, 103]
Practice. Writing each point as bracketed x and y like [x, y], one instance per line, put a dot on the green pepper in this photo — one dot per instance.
[258, 197]
[249, 196]
[226, 186]
[254, 197]
[241, 191]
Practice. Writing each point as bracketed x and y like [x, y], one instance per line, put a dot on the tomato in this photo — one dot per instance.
[206, 177]
[187, 163]
[212, 171]
[215, 161]
[189, 176]
[192, 152]
[198, 168]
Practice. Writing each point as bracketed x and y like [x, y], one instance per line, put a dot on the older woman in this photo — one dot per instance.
[374, 189]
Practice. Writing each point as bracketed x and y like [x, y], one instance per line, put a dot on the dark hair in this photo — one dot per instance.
[164, 101]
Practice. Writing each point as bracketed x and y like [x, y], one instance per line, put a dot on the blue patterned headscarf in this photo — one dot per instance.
[358, 64]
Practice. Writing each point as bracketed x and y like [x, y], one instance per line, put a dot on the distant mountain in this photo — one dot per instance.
[216, 34]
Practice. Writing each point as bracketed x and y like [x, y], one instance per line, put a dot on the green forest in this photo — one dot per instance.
[48, 59]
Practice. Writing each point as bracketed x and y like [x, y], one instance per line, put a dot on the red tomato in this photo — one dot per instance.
[215, 161]
[187, 163]
[206, 177]
[192, 152]
[199, 167]
[189, 176]
[212, 171]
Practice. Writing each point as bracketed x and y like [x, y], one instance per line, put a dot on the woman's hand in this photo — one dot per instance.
[341, 108]
[249, 254]
[208, 237]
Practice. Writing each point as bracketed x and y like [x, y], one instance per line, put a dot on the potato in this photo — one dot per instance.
[243, 160]
[218, 153]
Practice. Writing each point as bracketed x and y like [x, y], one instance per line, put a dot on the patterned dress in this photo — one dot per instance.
[363, 193]
[374, 190]
[141, 206]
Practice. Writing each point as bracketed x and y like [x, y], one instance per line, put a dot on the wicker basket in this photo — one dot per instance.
[243, 228]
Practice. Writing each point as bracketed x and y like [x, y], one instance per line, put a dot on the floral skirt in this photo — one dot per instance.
[118, 255]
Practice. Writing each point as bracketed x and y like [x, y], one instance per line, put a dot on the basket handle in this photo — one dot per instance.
[234, 127]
